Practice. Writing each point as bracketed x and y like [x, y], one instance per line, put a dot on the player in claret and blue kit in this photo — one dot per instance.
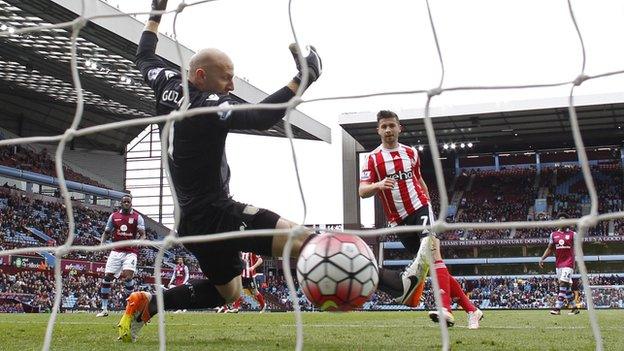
[562, 243]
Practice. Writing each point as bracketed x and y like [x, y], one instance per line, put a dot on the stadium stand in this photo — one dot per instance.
[477, 194]
[44, 219]
[39, 162]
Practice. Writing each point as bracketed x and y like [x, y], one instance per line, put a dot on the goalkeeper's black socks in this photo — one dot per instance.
[198, 294]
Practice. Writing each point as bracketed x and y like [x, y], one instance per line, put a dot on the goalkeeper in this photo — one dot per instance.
[200, 174]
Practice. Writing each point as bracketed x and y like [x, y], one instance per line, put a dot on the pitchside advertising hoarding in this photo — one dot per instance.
[73, 265]
[528, 241]
[27, 261]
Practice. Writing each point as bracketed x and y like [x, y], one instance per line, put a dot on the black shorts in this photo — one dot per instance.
[411, 241]
[249, 283]
[220, 260]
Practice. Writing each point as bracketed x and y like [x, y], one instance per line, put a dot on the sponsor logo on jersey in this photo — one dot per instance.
[123, 228]
[366, 175]
[402, 175]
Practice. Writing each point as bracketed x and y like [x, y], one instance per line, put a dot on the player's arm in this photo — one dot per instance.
[105, 236]
[141, 228]
[171, 280]
[257, 264]
[424, 186]
[265, 119]
[548, 252]
[370, 184]
[107, 230]
[146, 59]
[416, 171]
[186, 275]
[368, 189]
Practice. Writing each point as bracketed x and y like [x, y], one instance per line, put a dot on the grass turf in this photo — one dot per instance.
[500, 330]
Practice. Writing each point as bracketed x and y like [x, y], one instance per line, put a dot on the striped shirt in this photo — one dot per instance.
[403, 165]
[249, 259]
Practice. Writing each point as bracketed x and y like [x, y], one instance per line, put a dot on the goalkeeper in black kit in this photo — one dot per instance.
[200, 175]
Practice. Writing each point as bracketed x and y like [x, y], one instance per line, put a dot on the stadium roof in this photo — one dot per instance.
[511, 126]
[36, 89]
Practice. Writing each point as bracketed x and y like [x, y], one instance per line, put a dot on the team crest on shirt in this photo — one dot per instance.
[130, 220]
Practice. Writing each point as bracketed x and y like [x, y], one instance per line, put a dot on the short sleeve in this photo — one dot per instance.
[109, 223]
[141, 223]
[368, 174]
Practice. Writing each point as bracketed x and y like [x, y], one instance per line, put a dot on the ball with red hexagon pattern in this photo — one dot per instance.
[337, 272]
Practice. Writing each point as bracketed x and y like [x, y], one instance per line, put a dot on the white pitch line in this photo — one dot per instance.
[436, 326]
[428, 325]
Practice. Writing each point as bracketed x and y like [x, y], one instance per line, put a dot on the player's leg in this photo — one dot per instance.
[571, 295]
[475, 315]
[112, 269]
[219, 261]
[444, 281]
[253, 289]
[576, 299]
[105, 288]
[237, 303]
[457, 292]
[199, 294]
[564, 278]
[401, 284]
[127, 273]
[279, 241]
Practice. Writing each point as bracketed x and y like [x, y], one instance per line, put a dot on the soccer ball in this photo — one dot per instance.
[337, 272]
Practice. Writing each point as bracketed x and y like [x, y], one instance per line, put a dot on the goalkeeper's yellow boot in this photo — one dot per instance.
[135, 316]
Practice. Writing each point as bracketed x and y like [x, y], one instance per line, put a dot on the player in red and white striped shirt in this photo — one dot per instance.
[392, 171]
[251, 262]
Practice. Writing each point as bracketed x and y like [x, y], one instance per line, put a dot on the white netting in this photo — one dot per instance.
[440, 225]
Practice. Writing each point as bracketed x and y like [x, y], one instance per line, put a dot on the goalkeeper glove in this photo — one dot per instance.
[313, 61]
[158, 5]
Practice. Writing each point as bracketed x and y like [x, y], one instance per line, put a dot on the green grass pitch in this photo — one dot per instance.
[501, 330]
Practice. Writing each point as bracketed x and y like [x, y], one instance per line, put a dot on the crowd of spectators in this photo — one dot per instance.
[510, 194]
[21, 213]
[19, 157]
[10, 306]
[498, 196]
[487, 292]
[80, 291]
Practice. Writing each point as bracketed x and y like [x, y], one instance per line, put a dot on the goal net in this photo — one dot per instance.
[76, 25]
